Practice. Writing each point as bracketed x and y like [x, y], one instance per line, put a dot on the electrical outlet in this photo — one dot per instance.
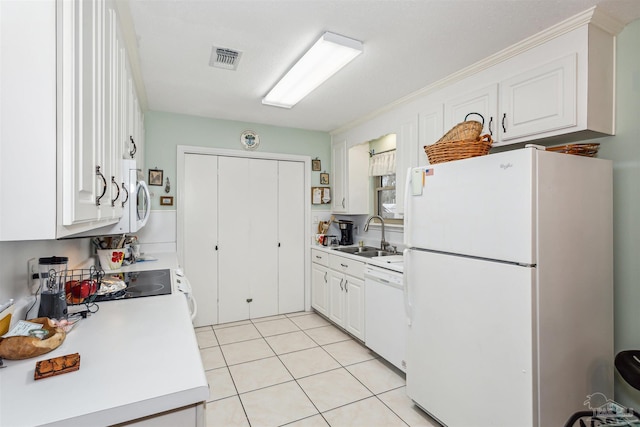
[32, 269]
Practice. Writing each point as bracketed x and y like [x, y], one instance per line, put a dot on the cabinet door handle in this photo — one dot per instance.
[490, 125]
[133, 151]
[113, 181]
[343, 202]
[341, 288]
[124, 187]
[345, 286]
[325, 276]
[104, 185]
[504, 119]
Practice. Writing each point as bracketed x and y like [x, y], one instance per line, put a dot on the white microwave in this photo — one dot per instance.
[136, 209]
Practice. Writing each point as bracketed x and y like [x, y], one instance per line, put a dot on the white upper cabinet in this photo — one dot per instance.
[350, 178]
[483, 101]
[540, 100]
[73, 90]
[430, 129]
[555, 87]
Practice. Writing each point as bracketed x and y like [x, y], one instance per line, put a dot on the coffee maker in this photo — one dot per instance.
[346, 230]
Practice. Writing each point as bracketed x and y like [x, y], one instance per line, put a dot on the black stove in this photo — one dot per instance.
[139, 284]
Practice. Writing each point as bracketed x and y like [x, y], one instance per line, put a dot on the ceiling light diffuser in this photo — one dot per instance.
[325, 58]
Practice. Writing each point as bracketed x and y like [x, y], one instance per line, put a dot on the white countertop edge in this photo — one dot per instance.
[137, 410]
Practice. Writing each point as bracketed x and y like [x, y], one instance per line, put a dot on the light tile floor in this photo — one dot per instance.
[299, 370]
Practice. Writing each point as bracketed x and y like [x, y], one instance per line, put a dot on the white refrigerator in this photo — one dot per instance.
[509, 287]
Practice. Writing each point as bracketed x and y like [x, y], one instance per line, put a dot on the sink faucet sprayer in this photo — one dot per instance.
[383, 243]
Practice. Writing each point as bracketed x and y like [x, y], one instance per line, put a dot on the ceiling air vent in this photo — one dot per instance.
[227, 59]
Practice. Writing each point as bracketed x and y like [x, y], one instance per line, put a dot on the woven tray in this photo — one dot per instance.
[588, 150]
[441, 152]
[467, 130]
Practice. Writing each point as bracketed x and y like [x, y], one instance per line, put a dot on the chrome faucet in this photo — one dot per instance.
[383, 243]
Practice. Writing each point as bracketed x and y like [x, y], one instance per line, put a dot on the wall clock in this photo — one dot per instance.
[250, 140]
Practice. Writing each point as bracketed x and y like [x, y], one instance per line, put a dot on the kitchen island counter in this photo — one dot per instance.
[139, 357]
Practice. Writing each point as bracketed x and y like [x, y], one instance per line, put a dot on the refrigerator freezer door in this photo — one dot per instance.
[482, 207]
[469, 358]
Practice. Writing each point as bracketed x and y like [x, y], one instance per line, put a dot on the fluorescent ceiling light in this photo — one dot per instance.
[328, 55]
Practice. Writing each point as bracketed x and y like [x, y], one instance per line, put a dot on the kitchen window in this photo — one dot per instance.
[382, 168]
[385, 196]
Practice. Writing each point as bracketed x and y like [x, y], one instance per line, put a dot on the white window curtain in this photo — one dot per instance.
[382, 164]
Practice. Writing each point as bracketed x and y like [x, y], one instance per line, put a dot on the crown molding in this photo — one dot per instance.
[592, 16]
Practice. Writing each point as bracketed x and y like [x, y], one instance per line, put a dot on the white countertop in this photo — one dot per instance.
[138, 357]
[391, 262]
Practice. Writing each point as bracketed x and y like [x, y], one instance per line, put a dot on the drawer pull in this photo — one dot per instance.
[344, 265]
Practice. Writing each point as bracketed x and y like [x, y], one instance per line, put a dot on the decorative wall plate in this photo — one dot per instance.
[250, 140]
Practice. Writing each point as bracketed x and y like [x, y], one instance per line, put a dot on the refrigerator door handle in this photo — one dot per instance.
[408, 308]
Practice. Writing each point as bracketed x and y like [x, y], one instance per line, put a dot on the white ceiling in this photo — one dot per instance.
[408, 44]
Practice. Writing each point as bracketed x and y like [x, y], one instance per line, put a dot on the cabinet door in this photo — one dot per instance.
[406, 141]
[540, 100]
[83, 178]
[339, 187]
[354, 305]
[320, 288]
[291, 226]
[200, 233]
[235, 262]
[430, 130]
[483, 102]
[111, 146]
[358, 188]
[336, 298]
[260, 252]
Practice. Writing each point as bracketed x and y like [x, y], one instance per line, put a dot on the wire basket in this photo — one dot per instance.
[441, 152]
[587, 150]
[81, 285]
[467, 130]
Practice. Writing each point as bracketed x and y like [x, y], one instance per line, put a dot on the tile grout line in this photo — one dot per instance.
[296, 381]
[246, 416]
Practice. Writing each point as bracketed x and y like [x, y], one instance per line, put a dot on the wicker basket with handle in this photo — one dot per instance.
[467, 130]
[447, 151]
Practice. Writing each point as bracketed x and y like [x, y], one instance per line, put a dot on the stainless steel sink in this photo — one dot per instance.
[375, 253]
[357, 250]
[365, 251]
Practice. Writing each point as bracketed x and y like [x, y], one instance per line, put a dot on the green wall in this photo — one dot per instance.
[165, 131]
[624, 150]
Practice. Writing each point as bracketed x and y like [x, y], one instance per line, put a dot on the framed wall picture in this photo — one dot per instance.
[315, 165]
[155, 177]
[320, 195]
[166, 200]
[324, 178]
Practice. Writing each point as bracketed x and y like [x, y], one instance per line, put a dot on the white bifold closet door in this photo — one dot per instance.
[291, 227]
[247, 238]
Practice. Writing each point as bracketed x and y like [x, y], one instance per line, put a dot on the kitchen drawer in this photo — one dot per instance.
[320, 257]
[346, 265]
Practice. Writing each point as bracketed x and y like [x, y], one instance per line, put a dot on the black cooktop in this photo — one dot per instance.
[139, 284]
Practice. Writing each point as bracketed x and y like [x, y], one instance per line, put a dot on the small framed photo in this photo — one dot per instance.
[315, 165]
[324, 178]
[155, 177]
[166, 200]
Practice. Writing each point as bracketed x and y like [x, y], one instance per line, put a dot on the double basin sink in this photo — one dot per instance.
[366, 251]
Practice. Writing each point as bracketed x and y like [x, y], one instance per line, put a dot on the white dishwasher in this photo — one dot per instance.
[385, 320]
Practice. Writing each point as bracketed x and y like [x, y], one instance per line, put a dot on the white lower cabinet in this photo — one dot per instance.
[337, 291]
[320, 282]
